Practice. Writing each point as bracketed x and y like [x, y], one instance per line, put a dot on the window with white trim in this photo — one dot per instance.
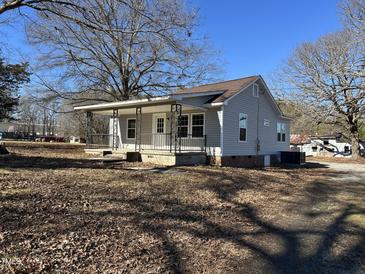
[280, 129]
[160, 125]
[255, 90]
[242, 123]
[197, 125]
[183, 126]
[131, 128]
[266, 122]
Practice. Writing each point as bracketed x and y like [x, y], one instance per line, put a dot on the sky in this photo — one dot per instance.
[252, 37]
[257, 36]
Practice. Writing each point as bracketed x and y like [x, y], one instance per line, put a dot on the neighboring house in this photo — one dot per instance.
[328, 146]
[236, 123]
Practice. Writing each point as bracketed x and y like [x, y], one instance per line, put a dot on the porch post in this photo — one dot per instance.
[89, 122]
[172, 119]
[138, 129]
[115, 129]
[175, 138]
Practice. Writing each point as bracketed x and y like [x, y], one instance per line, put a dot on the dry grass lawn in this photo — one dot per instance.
[61, 212]
[361, 160]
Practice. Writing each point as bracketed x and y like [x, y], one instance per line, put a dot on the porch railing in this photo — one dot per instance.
[153, 141]
[167, 142]
[102, 141]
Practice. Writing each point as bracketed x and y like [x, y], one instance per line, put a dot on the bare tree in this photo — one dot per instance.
[353, 15]
[39, 115]
[327, 77]
[138, 48]
[8, 5]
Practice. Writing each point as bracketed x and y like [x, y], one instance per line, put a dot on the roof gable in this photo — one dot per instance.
[229, 89]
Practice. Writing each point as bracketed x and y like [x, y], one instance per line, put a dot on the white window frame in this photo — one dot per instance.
[160, 126]
[154, 128]
[188, 126]
[239, 129]
[266, 122]
[191, 124]
[135, 128]
[255, 92]
[281, 132]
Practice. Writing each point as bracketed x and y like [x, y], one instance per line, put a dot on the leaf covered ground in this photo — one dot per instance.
[62, 212]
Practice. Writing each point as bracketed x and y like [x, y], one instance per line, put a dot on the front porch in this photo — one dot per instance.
[166, 132]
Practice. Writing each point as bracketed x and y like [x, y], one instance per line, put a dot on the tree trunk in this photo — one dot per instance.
[355, 145]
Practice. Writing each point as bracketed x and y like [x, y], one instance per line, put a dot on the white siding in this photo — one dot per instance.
[257, 110]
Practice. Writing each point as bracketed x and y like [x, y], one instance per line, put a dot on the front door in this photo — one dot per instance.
[159, 136]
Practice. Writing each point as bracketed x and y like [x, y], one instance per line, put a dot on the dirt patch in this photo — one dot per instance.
[61, 212]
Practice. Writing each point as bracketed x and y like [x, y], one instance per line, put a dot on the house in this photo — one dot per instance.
[234, 123]
[325, 145]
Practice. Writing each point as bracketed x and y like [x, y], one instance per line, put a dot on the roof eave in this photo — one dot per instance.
[126, 104]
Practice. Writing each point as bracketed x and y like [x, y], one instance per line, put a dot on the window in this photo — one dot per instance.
[281, 132]
[243, 127]
[131, 128]
[160, 125]
[266, 123]
[326, 142]
[183, 127]
[197, 125]
[255, 90]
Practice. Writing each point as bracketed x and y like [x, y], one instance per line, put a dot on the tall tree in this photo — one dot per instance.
[12, 76]
[327, 76]
[134, 47]
[38, 5]
[353, 15]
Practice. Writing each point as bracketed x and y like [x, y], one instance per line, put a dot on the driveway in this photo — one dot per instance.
[351, 172]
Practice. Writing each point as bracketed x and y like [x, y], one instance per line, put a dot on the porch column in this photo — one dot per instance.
[115, 136]
[89, 125]
[175, 138]
[138, 138]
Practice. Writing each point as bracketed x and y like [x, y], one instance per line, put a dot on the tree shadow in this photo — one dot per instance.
[289, 260]
[15, 161]
[275, 244]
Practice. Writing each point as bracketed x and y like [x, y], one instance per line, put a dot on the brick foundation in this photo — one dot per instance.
[242, 161]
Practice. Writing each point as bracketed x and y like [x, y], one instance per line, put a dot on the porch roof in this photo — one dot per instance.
[149, 105]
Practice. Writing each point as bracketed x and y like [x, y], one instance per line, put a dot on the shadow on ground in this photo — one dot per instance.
[202, 219]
